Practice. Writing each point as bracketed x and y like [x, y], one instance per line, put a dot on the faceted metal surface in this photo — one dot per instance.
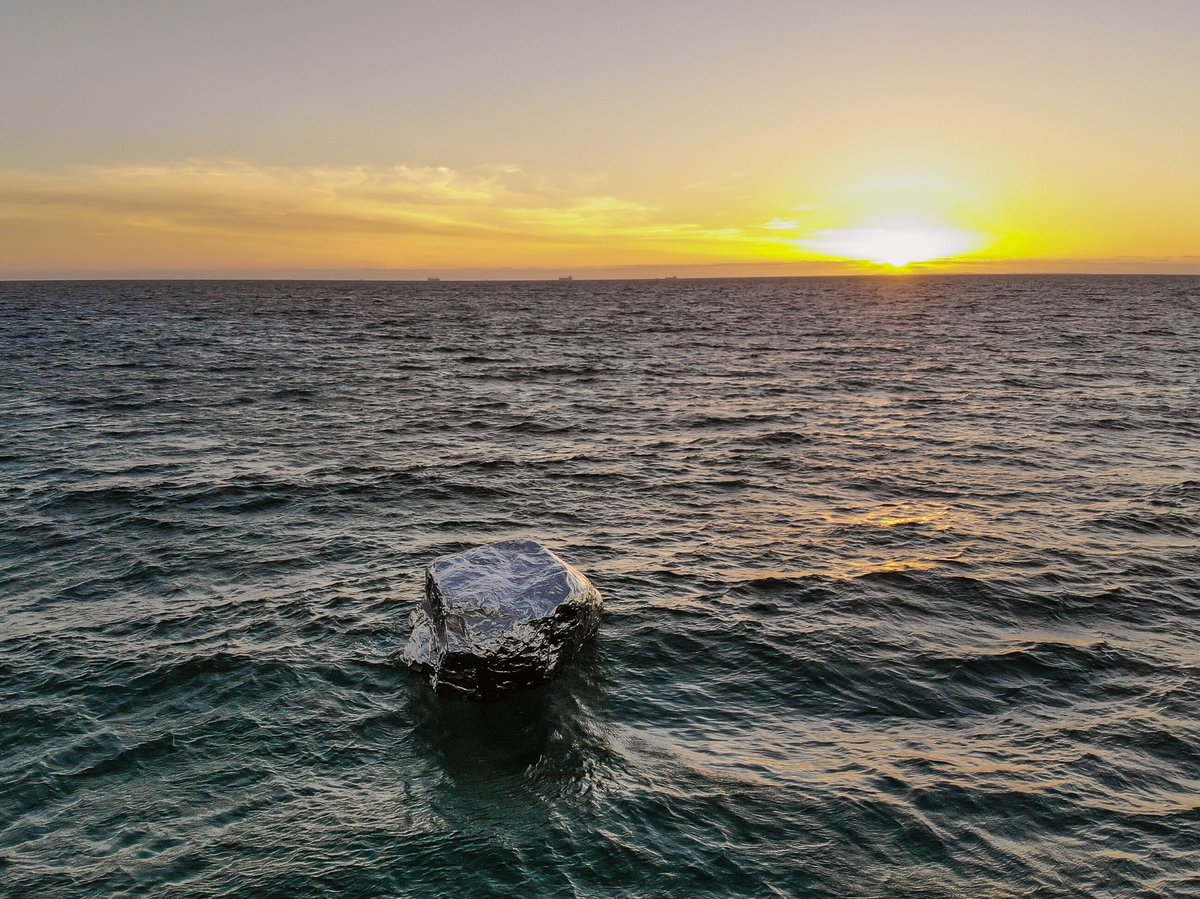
[500, 617]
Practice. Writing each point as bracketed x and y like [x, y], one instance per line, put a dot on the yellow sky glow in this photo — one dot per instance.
[201, 215]
[897, 243]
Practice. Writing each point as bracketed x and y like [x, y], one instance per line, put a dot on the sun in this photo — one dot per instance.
[895, 242]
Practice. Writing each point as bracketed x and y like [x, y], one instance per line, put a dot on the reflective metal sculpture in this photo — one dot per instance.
[500, 617]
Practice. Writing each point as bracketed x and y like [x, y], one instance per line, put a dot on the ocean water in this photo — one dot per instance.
[902, 583]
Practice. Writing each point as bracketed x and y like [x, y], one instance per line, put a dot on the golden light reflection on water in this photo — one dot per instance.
[889, 559]
[893, 515]
[846, 570]
[888, 538]
[891, 566]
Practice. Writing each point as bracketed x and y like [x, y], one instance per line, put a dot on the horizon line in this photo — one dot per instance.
[1177, 265]
[899, 274]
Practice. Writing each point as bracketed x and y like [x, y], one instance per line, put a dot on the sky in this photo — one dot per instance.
[512, 138]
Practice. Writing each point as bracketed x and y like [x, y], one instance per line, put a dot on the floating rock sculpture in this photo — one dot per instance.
[499, 617]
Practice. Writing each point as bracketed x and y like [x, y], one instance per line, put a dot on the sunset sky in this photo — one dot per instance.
[533, 139]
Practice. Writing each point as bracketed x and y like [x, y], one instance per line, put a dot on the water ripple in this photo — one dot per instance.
[902, 583]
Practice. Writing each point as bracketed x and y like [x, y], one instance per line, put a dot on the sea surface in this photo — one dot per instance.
[902, 584]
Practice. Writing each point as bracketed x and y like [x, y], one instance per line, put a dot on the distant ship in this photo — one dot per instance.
[431, 278]
[566, 278]
[671, 278]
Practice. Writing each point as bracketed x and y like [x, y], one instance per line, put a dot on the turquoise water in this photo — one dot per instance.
[902, 583]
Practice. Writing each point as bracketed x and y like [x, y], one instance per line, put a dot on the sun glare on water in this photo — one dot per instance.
[896, 243]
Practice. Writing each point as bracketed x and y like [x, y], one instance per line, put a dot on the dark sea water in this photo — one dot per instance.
[902, 583]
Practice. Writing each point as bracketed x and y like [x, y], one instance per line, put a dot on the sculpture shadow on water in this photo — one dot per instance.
[549, 740]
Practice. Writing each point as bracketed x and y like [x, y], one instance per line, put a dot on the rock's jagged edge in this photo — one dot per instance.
[498, 618]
